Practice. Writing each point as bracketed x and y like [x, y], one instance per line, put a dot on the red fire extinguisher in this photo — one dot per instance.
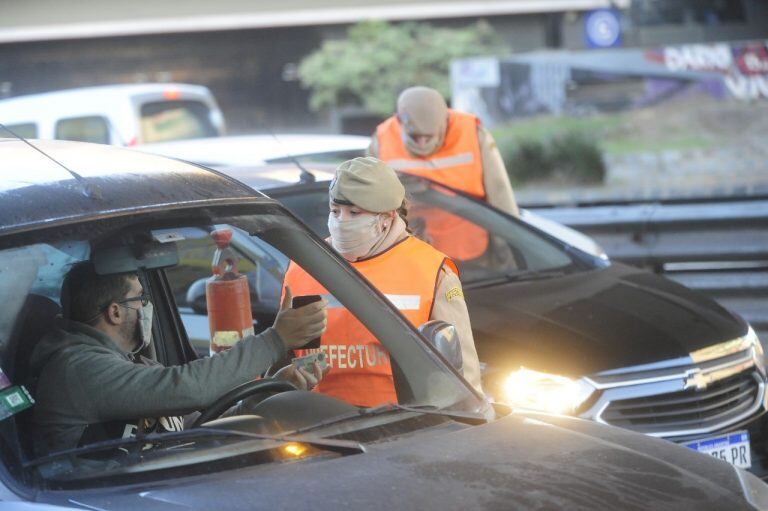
[227, 295]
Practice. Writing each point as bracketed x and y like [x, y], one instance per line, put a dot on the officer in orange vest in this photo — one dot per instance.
[368, 228]
[427, 138]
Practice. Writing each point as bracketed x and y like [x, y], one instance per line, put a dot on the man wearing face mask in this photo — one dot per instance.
[452, 148]
[94, 385]
[428, 139]
[367, 223]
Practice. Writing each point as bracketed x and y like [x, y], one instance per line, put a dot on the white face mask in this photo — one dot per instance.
[356, 237]
[145, 325]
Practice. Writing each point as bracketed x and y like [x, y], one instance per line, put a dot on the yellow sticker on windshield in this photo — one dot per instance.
[454, 292]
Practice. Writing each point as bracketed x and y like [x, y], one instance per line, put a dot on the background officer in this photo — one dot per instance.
[427, 138]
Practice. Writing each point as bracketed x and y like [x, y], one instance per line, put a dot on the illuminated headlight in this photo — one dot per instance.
[552, 393]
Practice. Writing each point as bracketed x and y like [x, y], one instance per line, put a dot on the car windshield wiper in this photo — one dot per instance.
[159, 439]
[517, 276]
[467, 417]
[534, 275]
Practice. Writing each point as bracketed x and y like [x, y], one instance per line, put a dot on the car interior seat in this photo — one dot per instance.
[34, 320]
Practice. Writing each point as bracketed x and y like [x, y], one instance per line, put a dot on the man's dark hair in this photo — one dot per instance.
[85, 293]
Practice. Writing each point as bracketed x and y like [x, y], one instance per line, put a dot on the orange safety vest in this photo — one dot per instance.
[361, 372]
[457, 164]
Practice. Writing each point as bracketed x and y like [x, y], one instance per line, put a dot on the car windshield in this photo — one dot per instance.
[486, 244]
[264, 240]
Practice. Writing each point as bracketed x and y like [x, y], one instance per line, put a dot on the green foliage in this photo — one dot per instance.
[528, 160]
[568, 156]
[577, 157]
[378, 60]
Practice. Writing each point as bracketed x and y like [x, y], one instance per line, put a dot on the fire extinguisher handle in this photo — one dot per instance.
[224, 261]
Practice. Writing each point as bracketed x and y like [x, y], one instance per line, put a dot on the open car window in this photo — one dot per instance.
[264, 260]
[265, 239]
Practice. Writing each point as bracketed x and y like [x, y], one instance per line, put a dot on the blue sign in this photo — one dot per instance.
[602, 28]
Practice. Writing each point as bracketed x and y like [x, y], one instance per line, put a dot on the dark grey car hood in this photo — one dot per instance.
[517, 462]
[593, 321]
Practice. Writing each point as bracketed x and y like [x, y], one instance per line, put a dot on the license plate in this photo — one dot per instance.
[732, 448]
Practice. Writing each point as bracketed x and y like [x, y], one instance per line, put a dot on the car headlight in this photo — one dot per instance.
[552, 393]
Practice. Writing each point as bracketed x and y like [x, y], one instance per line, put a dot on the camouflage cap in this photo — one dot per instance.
[367, 183]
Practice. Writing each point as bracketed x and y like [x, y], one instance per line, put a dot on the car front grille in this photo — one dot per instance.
[691, 409]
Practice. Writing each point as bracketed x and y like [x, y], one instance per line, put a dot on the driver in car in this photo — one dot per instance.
[92, 383]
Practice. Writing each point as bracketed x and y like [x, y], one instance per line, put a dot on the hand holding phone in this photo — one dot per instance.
[301, 301]
[298, 327]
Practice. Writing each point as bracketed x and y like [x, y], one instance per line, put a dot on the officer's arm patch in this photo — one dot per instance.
[454, 293]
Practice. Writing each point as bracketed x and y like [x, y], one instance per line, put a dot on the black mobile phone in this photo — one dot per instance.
[301, 301]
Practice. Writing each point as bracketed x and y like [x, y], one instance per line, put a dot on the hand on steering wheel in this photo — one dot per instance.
[303, 379]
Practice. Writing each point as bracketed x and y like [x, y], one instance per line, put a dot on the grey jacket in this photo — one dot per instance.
[86, 379]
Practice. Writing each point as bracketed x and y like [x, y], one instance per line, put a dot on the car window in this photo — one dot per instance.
[24, 130]
[35, 270]
[263, 269]
[175, 120]
[31, 277]
[264, 255]
[484, 243]
[83, 129]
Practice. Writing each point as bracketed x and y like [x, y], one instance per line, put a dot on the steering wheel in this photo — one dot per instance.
[267, 386]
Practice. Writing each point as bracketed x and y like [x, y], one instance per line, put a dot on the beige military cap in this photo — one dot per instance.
[368, 183]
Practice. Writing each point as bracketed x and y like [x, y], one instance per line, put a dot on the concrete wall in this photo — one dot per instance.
[244, 68]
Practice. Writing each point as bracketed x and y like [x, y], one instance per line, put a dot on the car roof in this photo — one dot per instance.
[255, 149]
[36, 191]
[107, 92]
[277, 175]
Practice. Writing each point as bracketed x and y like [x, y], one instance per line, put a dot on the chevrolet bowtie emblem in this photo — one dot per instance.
[695, 379]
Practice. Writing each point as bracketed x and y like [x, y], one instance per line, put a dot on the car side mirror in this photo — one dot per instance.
[445, 338]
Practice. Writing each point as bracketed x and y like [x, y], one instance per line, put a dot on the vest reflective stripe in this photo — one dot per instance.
[401, 302]
[361, 372]
[435, 163]
[457, 163]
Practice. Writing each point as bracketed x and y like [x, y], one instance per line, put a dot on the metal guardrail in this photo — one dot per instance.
[718, 248]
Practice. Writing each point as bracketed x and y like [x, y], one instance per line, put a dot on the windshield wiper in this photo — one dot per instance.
[534, 275]
[466, 417]
[158, 439]
[518, 276]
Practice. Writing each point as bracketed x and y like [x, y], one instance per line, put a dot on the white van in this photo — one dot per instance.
[116, 114]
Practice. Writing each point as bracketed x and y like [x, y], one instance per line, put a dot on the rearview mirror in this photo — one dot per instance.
[445, 338]
[129, 258]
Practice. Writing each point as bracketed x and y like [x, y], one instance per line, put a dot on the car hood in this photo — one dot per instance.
[593, 321]
[517, 462]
